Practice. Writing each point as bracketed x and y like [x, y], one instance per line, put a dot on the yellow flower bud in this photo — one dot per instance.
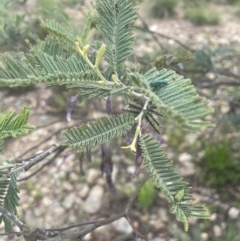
[100, 54]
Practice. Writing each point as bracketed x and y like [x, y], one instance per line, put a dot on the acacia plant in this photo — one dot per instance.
[154, 97]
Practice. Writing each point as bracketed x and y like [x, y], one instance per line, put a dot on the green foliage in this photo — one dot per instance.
[114, 21]
[168, 180]
[51, 9]
[99, 132]
[176, 137]
[146, 194]
[155, 97]
[231, 233]
[12, 125]
[59, 33]
[219, 166]
[161, 8]
[9, 198]
[175, 98]
[14, 28]
[232, 1]
[11, 26]
[202, 15]
[203, 58]
[72, 3]
[194, 235]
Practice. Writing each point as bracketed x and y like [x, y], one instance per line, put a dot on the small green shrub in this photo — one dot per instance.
[231, 233]
[193, 235]
[219, 167]
[162, 8]
[238, 9]
[202, 15]
[233, 1]
[146, 194]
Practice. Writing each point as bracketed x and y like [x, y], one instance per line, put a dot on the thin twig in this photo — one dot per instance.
[146, 29]
[44, 140]
[44, 165]
[135, 194]
[33, 161]
[11, 233]
[58, 234]
[215, 84]
[12, 218]
[72, 226]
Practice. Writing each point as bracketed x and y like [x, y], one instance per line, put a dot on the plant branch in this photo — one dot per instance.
[33, 161]
[49, 160]
[44, 140]
[97, 224]
[146, 29]
[58, 234]
[215, 84]
[12, 218]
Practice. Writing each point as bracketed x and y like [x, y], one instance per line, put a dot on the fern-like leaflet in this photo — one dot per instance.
[11, 125]
[14, 125]
[168, 180]
[9, 198]
[114, 21]
[98, 132]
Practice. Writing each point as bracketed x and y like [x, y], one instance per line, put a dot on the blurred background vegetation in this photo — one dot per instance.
[210, 161]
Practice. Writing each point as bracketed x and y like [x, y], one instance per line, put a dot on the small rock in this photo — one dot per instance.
[59, 211]
[197, 198]
[74, 177]
[32, 220]
[206, 192]
[204, 236]
[122, 225]
[87, 237]
[191, 138]
[217, 230]
[163, 215]
[187, 167]
[83, 191]
[92, 175]
[157, 239]
[223, 225]
[131, 169]
[213, 217]
[114, 173]
[67, 186]
[69, 200]
[233, 213]
[94, 200]
[157, 223]
[185, 157]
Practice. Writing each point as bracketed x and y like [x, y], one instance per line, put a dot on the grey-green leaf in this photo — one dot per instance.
[98, 132]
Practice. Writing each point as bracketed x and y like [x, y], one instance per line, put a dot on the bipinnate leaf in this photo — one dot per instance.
[59, 33]
[172, 97]
[14, 125]
[177, 99]
[169, 181]
[9, 198]
[98, 132]
[114, 21]
[15, 72]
